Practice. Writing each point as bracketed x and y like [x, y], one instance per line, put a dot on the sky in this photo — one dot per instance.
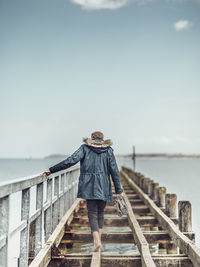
[128, 68]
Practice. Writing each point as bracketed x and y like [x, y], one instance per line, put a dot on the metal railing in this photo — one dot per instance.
[52, 199]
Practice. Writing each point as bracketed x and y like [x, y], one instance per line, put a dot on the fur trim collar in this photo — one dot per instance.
[94, 143]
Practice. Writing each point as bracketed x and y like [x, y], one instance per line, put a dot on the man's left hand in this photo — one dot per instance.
[47, 173]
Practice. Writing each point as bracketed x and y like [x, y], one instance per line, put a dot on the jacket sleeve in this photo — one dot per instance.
[70, 161]
[114, 172]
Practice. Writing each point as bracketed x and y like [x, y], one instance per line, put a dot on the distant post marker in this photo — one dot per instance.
[133, 157]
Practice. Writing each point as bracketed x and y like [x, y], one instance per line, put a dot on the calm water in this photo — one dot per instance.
[180, 176]
[12, 169]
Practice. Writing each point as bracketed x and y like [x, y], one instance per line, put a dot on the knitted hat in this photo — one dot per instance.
[98, 135]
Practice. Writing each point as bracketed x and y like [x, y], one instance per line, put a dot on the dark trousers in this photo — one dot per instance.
[95, 208]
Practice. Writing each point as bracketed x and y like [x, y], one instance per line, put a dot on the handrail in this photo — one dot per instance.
[14, 186]
[60, 193]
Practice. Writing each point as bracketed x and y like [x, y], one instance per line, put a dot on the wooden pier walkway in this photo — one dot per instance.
[159, 237]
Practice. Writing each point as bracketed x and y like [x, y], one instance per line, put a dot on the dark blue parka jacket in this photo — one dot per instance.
[97, 163]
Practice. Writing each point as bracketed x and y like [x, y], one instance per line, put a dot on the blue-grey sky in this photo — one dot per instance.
[128, 68]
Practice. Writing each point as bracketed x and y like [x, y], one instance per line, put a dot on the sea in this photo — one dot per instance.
[179, 175]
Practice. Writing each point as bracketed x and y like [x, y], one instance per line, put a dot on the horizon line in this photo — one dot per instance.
[119, 154]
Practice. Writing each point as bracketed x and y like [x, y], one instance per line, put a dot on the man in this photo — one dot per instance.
[97, 163]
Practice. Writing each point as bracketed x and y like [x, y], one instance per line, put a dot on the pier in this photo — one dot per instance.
[159, 228]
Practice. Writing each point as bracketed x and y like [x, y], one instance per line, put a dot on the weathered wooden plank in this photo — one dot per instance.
[183, 242]
[132, 196]
[62, 199]
[24, 235]
[44, 256]
[96, 259]
[115, 237]
[135, 261]
[161, 196]
[55, 207]
[48, 224]
[80, 260]
[115, 221]
[185, 216]
[171, 205]
[140, 209]
[18, 228]
[39, 220]
[142, 244]
[134, 202]
[108, 221]
[4, 226]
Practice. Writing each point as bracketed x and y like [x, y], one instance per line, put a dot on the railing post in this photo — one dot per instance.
[70, 190]
[161, 196]
[171, 205]
[77, 180]
[141, 181]
[171, 211]
[4, 226]
[24, 236]
[147, 183]
[150, 188]
[144, 184]
[154, 191]
[38, 221]
[185, 216]
[56, 203]
[65, 192]
[74, 185]
[62, 211]
[138, 177]
[48, 226]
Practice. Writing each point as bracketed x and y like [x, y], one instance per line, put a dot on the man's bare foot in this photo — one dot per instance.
[97, 247]
[97, 242]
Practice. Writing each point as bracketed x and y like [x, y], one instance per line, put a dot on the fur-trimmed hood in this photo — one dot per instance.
[98, 145]
[97, 142]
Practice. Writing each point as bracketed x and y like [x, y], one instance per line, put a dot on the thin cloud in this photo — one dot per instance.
[182, 25]
[143, 2]
[183, 1]
[100, 4]
[115, 4]
[107, 4]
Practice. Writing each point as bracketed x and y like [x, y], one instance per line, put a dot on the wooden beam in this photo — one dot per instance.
[140, 209]
[4, 228]
[132, 201]
[122, 260]
[115, 221]
[131, 196]
[24, 234]
[44, 256]
[139, 238]
[96, 259]
[108, 221]
[115, 237]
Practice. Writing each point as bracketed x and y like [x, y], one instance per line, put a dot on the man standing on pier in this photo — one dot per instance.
[97, 163]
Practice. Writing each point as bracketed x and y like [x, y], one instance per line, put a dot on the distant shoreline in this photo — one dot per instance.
[160, 155]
